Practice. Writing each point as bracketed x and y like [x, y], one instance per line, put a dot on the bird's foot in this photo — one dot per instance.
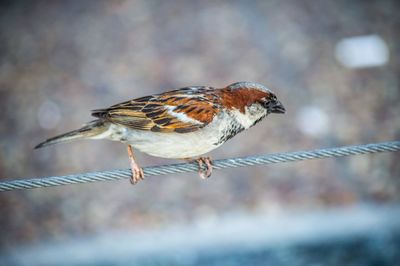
[205, 161]
[137, 171]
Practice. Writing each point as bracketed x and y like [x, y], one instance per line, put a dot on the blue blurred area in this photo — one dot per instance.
[333, 64]
[361, 235]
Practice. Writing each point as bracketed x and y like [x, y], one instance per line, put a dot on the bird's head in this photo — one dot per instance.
[251, 101]
[244, 94]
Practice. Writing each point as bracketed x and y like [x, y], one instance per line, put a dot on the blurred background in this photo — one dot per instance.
[333, 64]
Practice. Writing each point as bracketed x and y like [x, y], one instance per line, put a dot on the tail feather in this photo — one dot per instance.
[90, 130]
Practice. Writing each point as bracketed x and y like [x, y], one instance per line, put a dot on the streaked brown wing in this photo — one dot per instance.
[184, 110]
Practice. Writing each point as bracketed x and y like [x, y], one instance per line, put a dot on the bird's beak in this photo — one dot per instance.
[276, 107]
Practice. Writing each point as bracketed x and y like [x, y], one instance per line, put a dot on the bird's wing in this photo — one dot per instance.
[182, 111]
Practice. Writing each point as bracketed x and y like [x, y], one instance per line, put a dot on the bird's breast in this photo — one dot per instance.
[228, 130]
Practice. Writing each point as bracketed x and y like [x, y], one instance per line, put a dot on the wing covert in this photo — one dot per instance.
[182, 111]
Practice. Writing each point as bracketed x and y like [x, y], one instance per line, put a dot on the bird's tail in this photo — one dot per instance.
[90, 130]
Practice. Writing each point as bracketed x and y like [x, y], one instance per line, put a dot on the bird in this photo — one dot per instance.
[179, 124]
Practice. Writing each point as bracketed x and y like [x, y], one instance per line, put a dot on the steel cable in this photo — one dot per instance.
[29, 183]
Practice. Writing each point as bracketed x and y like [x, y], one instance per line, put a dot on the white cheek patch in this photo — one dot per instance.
[243, 119]
[251, 114]
[182, 116]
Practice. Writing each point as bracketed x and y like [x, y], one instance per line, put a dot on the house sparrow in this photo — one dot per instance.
[179, 124]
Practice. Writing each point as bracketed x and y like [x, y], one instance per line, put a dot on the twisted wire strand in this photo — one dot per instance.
[390, 146]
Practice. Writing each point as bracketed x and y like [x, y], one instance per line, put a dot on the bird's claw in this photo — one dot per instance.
[204, 173]
[137, 173]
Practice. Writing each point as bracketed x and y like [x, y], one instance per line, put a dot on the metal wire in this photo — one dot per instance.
[193, 167]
